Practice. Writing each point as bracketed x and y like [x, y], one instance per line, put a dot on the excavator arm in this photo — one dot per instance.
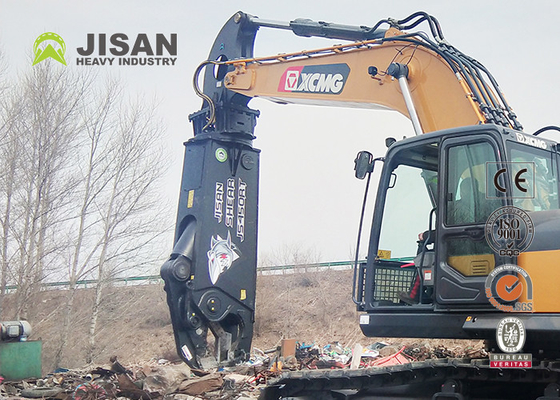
[210, 277]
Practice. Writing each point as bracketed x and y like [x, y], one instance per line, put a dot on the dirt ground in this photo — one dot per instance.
[312, 307]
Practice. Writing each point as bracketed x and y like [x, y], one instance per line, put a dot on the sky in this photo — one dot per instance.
[309, 198]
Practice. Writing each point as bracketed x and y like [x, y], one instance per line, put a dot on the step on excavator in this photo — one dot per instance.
[482, 194]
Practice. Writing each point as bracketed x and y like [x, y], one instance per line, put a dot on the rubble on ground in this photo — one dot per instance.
[160, 379]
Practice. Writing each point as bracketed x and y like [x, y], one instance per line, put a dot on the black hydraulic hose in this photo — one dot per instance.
[376, 26]
[438, 27]
[497, 106]
[546, 128]
[467, 71]
[511, 117]
[412, 16]
[479, 89]
[476, 83]
[435, 27]
[499, 93]
[432, 22]
[484, 91]
[203, 95]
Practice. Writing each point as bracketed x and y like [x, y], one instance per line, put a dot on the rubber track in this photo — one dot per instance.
[309, 382]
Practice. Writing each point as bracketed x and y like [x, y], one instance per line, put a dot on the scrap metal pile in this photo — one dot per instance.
[161, 379]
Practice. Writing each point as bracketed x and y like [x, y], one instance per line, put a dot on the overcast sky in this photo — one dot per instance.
[309, 197]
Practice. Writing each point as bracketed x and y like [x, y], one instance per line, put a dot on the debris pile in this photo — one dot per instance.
[151, 381]
[160, 379]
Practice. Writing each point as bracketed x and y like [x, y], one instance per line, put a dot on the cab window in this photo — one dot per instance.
[540, 181]
[466, 184]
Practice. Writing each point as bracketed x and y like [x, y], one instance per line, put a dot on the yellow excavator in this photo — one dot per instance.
[465, 237]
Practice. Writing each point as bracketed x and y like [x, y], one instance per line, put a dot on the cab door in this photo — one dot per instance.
[464, 258]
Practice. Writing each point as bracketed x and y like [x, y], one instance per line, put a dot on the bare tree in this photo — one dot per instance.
[77, 192]
[99, 112]
[290, 254]
[8, 155]
[127, 226]
[117, 221]
[11, 107]
[41, 126]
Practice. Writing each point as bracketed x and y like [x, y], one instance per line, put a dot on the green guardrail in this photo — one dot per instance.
[331, 264]
[92, 282]
[151, 278]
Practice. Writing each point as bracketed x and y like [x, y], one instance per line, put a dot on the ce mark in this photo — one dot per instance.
[518, 180]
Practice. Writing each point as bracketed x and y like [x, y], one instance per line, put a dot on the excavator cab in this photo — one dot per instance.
[448, 186]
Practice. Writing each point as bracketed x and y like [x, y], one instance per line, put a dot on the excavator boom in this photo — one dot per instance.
[447, 88]
[364, 75]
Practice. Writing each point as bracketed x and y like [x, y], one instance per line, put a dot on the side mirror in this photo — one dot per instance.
[363, 164]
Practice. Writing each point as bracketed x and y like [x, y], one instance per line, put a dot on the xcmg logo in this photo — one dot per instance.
[328, 79]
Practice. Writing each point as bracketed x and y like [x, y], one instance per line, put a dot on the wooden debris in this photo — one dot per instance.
[195, 387]
[127, 388]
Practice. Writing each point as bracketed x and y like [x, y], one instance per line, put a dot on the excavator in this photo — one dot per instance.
[465, 236]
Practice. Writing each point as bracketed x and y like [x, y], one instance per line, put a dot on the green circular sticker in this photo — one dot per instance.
[221, 155]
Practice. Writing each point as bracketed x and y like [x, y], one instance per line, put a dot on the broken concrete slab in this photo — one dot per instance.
[166, 378]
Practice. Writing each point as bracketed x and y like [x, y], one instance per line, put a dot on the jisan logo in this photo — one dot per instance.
[121, 52]
[327, 79]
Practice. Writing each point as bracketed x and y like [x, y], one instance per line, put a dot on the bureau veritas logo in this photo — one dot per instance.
[510, 336]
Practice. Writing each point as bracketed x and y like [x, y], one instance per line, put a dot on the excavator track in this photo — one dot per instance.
[443, 379]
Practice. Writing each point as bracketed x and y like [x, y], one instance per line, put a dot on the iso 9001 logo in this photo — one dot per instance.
[509, 231]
